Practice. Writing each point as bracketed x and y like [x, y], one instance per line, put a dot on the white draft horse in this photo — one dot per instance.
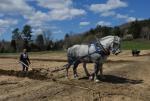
[96, 53]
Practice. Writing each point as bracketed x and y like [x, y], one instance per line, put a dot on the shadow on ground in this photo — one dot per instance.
[119, 61]
[116, 80]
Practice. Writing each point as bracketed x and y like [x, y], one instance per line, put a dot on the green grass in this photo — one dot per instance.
[126, 45]
[5, 54]
[136, 44]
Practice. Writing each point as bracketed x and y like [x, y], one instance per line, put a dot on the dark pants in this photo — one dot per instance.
[25, 68]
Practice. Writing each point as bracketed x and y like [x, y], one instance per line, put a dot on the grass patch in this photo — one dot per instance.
[126, 45]
[8, 54]
[136, 44]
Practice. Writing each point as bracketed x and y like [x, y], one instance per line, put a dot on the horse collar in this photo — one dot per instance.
[101, 50]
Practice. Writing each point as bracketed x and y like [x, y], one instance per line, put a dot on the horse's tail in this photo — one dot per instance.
[69, 53]
[69, 56]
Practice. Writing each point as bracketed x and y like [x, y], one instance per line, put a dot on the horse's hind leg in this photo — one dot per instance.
[85, 69]
[75, 70]
[67, 68]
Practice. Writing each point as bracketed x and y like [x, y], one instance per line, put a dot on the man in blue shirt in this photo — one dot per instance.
[24, 60]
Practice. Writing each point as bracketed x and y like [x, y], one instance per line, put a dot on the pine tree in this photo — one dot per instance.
[26, 35]
[40, 41]
[116, 31]
[135, 29]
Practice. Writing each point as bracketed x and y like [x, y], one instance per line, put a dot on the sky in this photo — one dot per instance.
[68, 16]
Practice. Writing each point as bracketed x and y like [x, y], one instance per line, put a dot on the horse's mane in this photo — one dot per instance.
[106, 37]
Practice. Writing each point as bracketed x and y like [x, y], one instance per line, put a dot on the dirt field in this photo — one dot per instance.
[126, 79]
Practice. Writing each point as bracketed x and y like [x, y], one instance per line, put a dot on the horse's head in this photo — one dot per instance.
[110, 44]
[115, 45]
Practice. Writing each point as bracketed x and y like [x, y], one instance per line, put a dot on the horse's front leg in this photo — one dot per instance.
[101, 70]
[95, 73]
[85, 69]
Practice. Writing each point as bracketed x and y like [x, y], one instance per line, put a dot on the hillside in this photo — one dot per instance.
[143, 23]
[128, 31]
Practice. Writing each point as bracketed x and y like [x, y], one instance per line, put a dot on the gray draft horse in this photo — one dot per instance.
[96, 53]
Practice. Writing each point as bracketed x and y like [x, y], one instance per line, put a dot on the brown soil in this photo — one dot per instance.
[126, 79]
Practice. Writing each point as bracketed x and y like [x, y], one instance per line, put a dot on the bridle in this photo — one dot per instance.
[107, 51]
[112, 45]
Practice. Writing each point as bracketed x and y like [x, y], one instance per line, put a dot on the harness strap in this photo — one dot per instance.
[101, 51]
[101, 46]
[98, 50]
[89, 53]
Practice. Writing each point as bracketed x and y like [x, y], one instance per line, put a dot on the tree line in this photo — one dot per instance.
[23, 39]
[43, 41]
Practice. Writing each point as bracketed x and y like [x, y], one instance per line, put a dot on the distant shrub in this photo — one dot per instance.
[128, 37]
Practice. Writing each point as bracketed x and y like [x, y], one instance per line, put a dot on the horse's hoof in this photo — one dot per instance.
[76, 78]
[67, 77]
[97, 80]
[90, 77]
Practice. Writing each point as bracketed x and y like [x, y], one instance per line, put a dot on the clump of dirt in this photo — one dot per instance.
[35, 73]
[39, 74]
